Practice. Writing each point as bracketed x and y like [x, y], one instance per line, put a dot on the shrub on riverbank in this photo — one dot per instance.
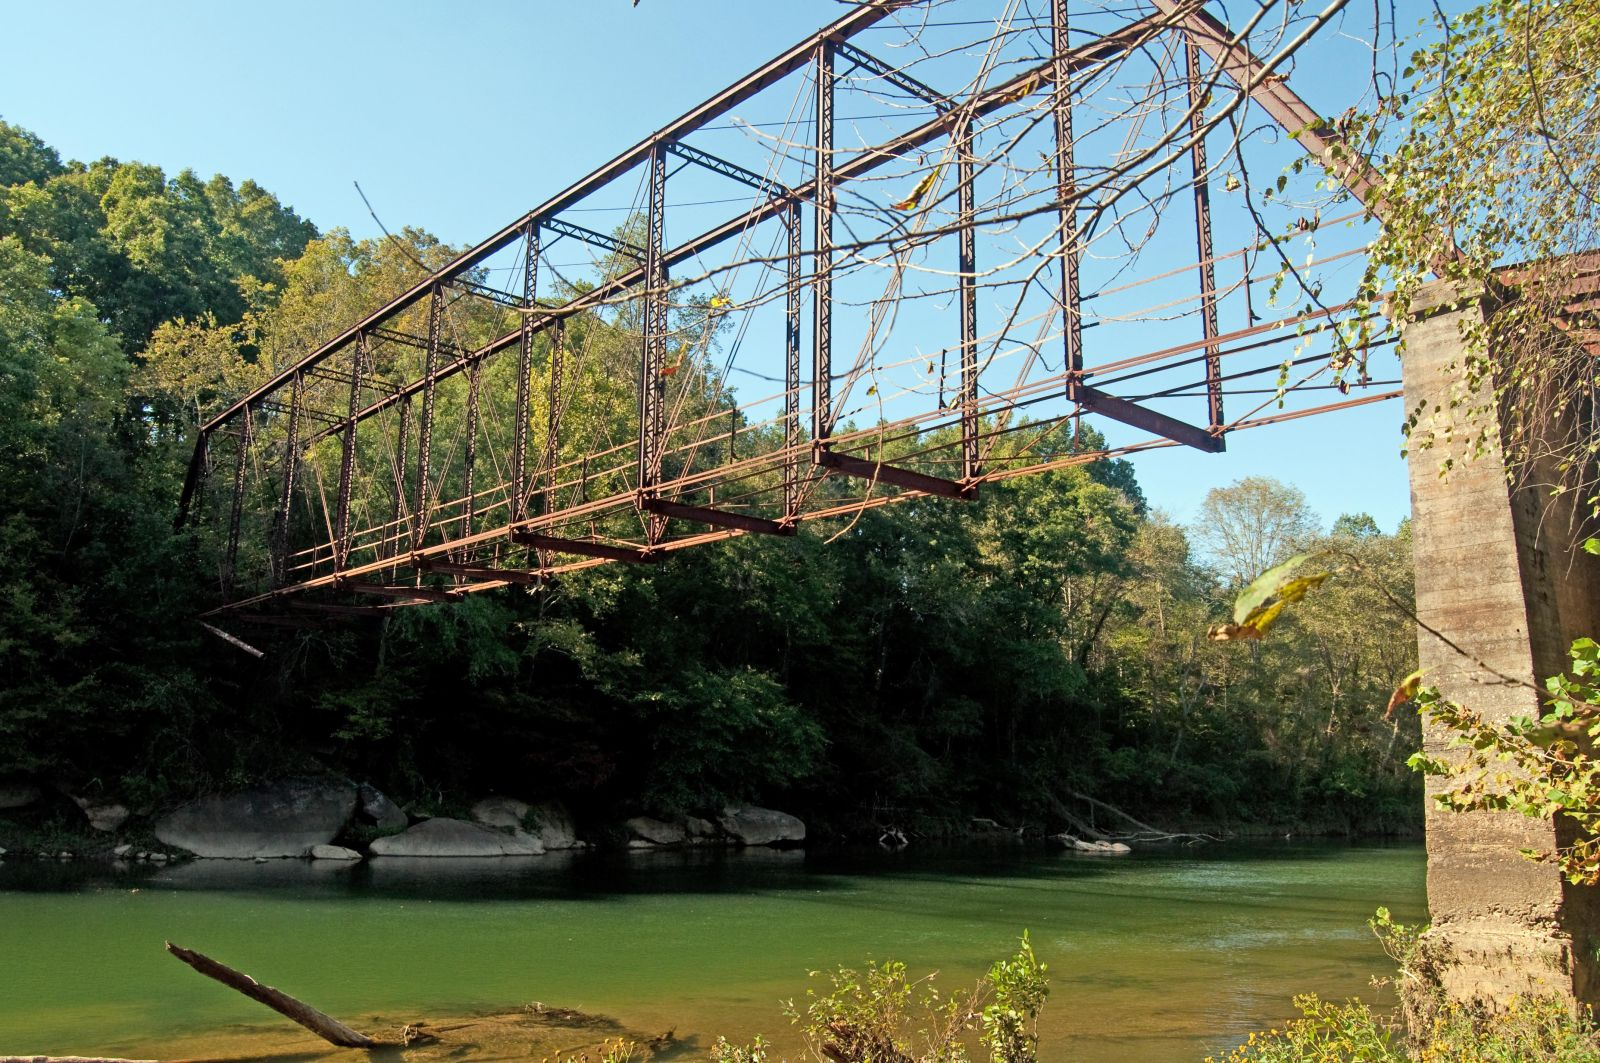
[883, 1015]
[1354, 1032]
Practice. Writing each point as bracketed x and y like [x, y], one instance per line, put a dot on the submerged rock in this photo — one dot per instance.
[281, 819]
[750, 825]
[455, 838]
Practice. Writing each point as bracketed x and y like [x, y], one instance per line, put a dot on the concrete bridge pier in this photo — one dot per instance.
[1494, 573]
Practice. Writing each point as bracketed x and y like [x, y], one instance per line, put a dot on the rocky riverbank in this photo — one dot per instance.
[332, 818]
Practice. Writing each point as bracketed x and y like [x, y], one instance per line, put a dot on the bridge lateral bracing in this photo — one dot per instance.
[903, 259]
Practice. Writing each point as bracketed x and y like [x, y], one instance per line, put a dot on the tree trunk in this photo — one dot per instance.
[69, 1059]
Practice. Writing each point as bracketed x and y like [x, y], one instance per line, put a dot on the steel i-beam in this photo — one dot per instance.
[519, 439]
[652, 384]
[423, 513]
[822, 266]
[552, 439]
[390, 545]
[1202, 232]
[193, 478]
[1067, 196]
[968, 269]
[469, 458]
[291, 467]
[347, 457]
[791, 366]
[236, 509]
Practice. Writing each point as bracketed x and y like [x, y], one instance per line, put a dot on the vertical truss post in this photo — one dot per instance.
[968, 268]
[194, 479]
[791, 366]
[347, 458]
[652, 385]
[1067, 196]
[1202, 226]
[822, 282]
[397, 510]
[552, 437]
[469, 459]
[236, 510]
[430, 369]
[519, 441]
[291, 467]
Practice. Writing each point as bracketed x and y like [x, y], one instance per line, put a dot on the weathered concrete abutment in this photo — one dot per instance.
[1496, 574]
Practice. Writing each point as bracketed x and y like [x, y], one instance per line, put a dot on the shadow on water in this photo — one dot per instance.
[601, 876]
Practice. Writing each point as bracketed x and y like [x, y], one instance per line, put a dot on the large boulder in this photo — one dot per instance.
[553, 826]
[761, 826]
[102, 816]
[18, 794]
[655, 832]
[702, 831]
[379, 811]
[455, 838]
[500, 812]
[281, 819]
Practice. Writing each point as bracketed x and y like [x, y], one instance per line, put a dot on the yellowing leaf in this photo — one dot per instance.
[1265, 586]
[1297, 588]
[911, 201]
[1262, 619]
[1252, 613]
[1406, 691]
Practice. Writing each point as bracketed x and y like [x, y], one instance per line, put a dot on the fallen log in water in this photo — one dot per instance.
[324, 1026]
[69, 1059]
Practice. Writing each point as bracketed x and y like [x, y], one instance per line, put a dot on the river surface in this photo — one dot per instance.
[1159, 957]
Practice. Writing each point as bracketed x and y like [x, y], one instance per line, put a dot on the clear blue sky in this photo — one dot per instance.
[457, 118]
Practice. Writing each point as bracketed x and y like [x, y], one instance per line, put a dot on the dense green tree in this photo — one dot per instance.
[24, 157]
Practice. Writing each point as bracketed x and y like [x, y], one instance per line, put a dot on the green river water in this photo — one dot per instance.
[1162, 956]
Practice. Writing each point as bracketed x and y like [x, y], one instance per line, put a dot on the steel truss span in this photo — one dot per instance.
[912, 255]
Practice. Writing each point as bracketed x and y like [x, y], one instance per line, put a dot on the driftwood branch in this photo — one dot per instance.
[324, 1026]
[1144, 832]
[231, 639]
[69, 1059]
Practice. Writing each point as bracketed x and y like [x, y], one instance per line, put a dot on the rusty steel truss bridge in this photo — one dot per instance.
[903, 259]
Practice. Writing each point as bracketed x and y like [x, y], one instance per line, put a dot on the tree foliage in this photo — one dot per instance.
[1489, 157]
